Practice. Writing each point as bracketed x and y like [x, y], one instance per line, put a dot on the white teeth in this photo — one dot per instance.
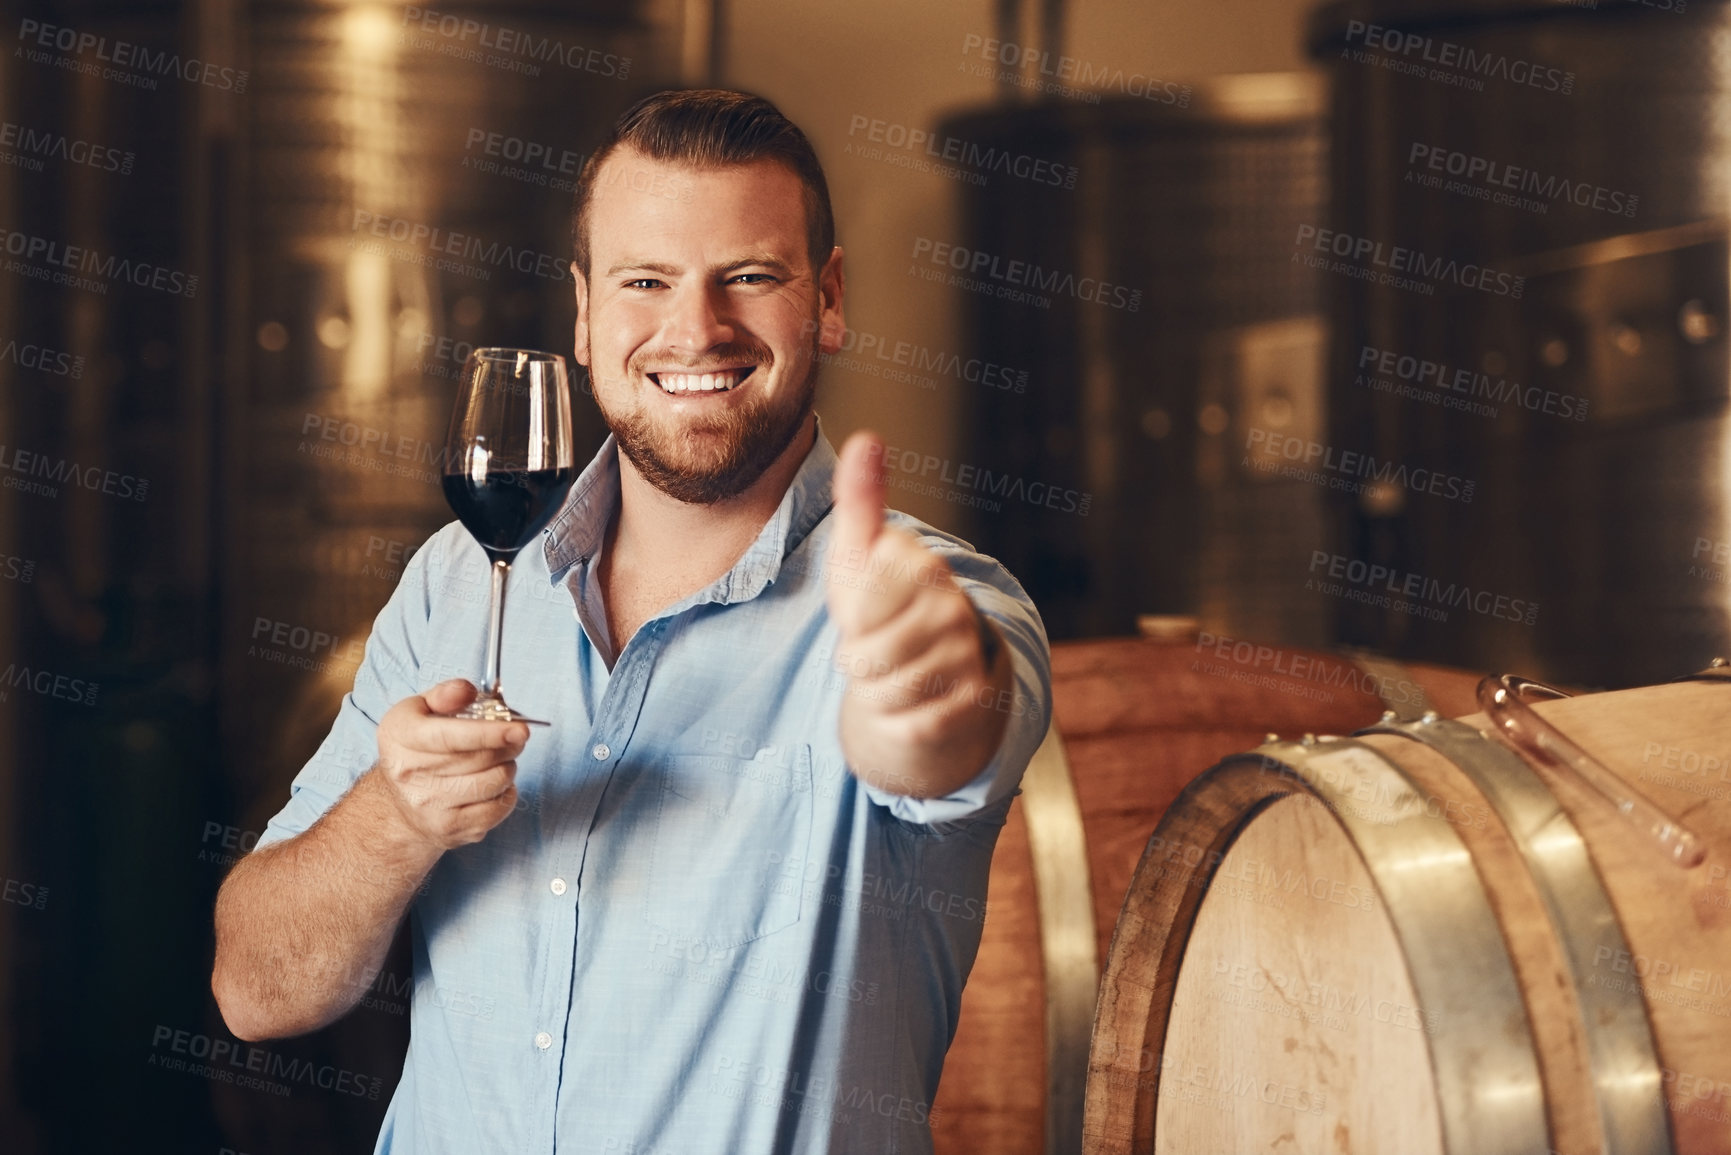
[700, 382]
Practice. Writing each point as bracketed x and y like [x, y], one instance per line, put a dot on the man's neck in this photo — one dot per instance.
[682, 544]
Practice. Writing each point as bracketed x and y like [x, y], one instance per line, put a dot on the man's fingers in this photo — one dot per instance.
[438, 766]
[859, 491]
[454, 791]
[935, 633]
[482, 788]
[435, 735]
[453, 779]
[466, 735]
[419, 724]
[897, 571]
[506, 798]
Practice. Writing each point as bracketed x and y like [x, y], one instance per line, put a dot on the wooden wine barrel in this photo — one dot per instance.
[1135, 720]
[1413, 941]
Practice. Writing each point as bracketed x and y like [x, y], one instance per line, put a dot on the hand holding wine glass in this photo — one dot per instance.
[509, 462]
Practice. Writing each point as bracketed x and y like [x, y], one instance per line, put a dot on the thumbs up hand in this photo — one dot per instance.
[911, 645]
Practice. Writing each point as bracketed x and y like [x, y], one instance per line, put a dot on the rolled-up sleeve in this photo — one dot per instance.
[1027, 701]
[388, 673]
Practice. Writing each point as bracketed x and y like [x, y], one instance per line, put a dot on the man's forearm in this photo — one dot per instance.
[302, 927]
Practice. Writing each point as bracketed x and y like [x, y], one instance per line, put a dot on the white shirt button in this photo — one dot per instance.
[558, 885]
[543, 1040]
[601, 752]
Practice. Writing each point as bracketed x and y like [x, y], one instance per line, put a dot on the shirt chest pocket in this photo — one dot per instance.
[725, 833]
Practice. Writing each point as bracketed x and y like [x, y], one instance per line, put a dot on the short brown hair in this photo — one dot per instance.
[710, 128]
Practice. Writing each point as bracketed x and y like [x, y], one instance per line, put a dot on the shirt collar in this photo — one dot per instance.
[578, 531]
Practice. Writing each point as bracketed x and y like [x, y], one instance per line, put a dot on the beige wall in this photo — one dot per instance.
[826, 61]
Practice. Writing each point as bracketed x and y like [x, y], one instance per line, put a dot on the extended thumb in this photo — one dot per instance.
[859, 490]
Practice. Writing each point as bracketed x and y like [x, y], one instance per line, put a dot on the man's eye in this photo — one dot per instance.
[753, 279]
[642, 283]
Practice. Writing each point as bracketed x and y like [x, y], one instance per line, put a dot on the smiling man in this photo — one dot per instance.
[727, 902]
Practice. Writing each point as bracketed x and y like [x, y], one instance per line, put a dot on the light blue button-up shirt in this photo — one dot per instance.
[699, 933]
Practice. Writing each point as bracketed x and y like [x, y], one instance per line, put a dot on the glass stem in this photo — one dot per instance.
[495, 632]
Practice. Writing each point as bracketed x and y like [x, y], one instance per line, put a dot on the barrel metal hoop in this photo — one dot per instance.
[1456, 956]
[1058, 846]
[1625, 1067]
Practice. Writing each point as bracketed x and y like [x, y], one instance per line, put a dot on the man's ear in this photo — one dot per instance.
[581, 287]
[831, 287]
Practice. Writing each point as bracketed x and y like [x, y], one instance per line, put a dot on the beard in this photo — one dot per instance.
[705, 459]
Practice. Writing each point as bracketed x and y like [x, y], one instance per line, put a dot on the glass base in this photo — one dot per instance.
[492, 708]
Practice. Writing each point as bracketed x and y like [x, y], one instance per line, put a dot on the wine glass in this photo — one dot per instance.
[509, 463]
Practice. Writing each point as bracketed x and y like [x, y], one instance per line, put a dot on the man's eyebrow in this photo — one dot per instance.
[764, 260]
[665, 270]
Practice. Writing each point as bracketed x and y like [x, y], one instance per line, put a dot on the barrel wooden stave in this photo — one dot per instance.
[1004, 1095]
[1247, 1051]
[1104, 687]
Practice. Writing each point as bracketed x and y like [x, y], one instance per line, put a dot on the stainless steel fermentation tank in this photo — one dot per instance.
[1588, 152]
[1188, 200]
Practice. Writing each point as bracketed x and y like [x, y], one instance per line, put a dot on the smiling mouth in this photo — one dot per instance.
[718, 381]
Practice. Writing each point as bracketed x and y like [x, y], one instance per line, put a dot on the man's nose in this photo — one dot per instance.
[700, 318]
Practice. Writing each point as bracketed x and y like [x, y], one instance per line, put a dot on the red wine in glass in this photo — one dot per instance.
[505, 508]
[509, 462]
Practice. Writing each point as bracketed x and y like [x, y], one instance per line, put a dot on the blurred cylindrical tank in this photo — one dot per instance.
[408, 189]
[1581, 155]
[402, 195]
[1175, 328]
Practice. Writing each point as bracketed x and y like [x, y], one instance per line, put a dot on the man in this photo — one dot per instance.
[727, 901]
